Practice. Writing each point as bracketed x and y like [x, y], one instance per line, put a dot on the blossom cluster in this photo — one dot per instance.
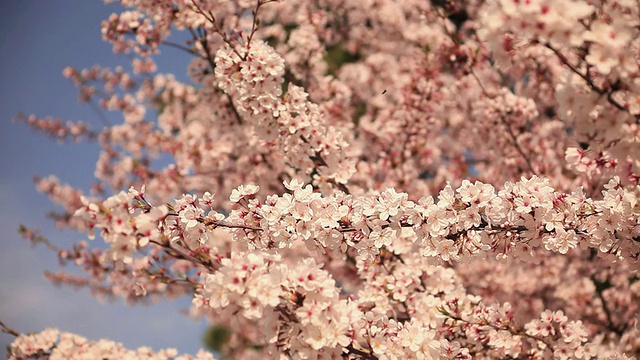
[53, 344]
[146, 39]
[473, 220]
[405, 179]
[59, 130]
[253, 77]
[599, 78]
[298, 306]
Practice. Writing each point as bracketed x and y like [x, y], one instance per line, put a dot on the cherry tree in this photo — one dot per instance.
[365, 179]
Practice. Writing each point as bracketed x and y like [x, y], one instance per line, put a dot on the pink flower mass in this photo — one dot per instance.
[366, 179]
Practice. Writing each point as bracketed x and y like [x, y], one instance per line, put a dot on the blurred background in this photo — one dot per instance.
[38, 39]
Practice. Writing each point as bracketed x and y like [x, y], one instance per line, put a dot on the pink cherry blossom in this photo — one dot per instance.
[392, 179]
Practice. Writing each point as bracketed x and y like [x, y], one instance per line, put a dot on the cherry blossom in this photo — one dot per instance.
[364, 179]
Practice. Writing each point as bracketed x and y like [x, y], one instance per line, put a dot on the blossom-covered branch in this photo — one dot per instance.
[406, 179]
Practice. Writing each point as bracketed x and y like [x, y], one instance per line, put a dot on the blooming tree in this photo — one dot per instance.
[393, 179]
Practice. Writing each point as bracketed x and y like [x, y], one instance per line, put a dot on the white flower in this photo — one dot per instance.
[243, 191]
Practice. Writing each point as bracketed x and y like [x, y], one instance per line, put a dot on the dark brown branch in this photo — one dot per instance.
[600, 288]
[588, 80]
[176, 253]
[365, 354]
[7, 330]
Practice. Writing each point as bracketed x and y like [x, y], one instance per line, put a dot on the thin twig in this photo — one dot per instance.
[8, 330]
[513, 136]
[99, 112]
[587, 79]
[180, 47]
[176, 253]
[517, 146]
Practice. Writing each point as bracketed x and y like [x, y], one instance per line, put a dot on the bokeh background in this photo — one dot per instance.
[38, 39]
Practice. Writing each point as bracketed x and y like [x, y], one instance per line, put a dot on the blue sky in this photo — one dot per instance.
[38, 38]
